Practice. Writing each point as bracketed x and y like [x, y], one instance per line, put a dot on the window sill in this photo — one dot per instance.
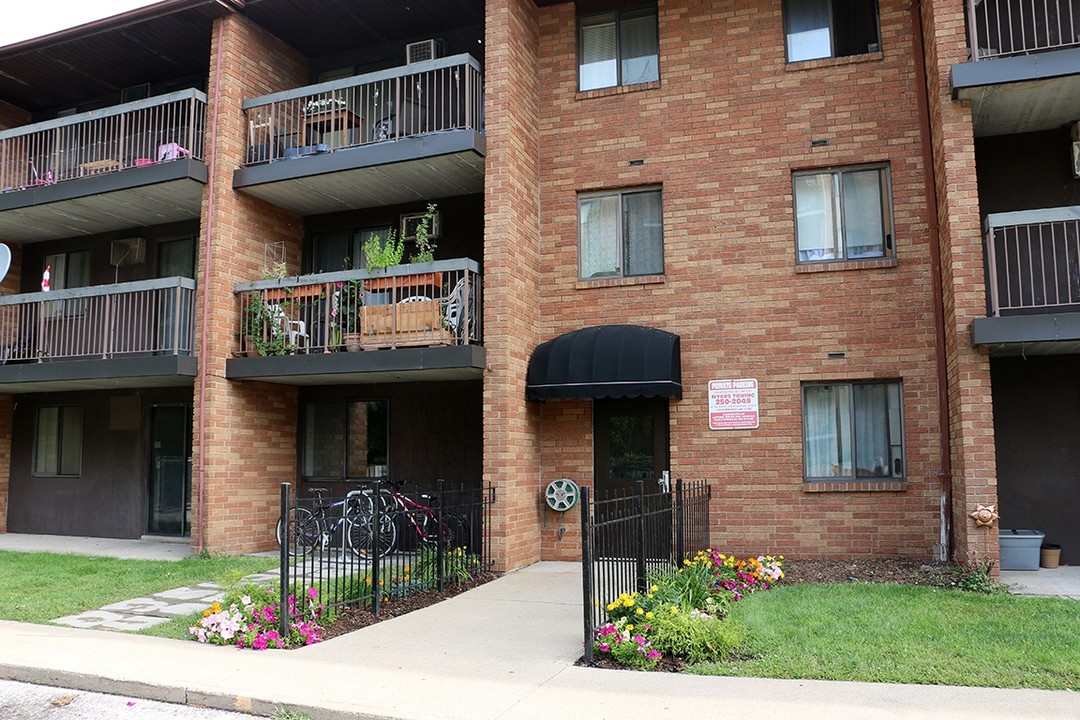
[820, 486]
[840, 265]
[619, 281]
[799, 65]
[616, 90]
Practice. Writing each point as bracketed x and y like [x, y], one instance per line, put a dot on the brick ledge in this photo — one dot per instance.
[816, 486]
[620, 281]
[839, 265]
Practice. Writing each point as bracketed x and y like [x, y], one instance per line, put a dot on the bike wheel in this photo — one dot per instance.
[455, 531]
[304, 527]
[360, 531]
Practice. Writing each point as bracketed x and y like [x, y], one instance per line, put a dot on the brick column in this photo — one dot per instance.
[244, 436]
[511, 278]
[971, 419]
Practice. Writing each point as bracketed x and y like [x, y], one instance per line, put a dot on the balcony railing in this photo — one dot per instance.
[149, 317]
[1033, 261]
[1000, 28]
[431, 96]
[421, 305]
[135, 134]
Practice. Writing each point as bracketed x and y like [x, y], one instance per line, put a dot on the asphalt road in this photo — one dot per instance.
[21, 701]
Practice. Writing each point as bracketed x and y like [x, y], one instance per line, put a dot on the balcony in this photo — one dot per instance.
[402, 135]
[1024, 73]
[139, 163]
[417, 322]
[137, 334]
[1033, 282]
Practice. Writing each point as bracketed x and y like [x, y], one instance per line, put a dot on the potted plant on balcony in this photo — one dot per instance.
[425, 241]
[346, 302]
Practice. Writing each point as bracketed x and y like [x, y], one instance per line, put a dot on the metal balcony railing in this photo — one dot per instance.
[425, 97]
[425, 304]
[1033, 260]
[149, 317]
[135, 134]
[998, 28]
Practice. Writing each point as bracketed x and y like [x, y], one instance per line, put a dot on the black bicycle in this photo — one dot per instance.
[316, 528]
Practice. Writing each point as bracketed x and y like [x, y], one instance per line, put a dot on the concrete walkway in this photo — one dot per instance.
[502, 651]
[1062, 581]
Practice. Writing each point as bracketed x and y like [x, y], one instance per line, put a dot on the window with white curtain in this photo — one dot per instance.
[843, 214]
[620, 234]
[852, 431]
[58, 435]
[618, 48]
[830, 28]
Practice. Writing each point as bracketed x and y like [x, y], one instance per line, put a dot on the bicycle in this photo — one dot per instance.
[393, 504]
[317, 527]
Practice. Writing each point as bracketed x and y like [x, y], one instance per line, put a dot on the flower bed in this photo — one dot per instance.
[250, 620]
[682, 615]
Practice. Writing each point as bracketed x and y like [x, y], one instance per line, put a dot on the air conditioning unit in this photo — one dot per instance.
[127, 251]
[411, 220]
[424, 50]
[1076, 149]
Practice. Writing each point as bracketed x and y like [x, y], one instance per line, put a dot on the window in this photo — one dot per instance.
[331, 252]
[843, 214]
[621, 234]
[58, 441]
[345, 439]
[66, 271]
[618, 48]
[830, 28]
[852, 430]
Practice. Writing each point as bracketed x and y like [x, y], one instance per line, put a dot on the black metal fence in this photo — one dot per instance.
[629, 536]
[382, 541]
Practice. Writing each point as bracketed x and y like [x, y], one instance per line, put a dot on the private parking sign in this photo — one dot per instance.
[733, 404]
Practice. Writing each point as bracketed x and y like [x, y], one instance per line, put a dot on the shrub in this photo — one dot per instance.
[696, 636]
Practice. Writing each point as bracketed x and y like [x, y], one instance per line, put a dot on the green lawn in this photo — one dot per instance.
[38, 587]
[907, 634]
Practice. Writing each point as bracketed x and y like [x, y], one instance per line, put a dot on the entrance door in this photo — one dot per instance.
[170, 471]
[631, 443]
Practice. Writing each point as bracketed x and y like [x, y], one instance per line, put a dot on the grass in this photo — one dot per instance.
[908, 634]
[38, 587]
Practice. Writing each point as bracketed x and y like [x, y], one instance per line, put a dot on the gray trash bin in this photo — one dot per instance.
[1020, 549]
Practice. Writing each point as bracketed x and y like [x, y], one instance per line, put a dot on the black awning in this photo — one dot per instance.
[607, 361]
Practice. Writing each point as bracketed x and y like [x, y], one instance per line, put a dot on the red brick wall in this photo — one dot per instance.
[971, 420]
[722, 132]
[511, 281]
[248, 429]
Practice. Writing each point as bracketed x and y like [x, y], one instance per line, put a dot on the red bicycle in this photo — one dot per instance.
[397, 508]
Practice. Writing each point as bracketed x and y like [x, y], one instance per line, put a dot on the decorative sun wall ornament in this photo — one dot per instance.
[984, 515]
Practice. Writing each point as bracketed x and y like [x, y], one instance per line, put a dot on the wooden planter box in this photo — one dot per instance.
[403, 324]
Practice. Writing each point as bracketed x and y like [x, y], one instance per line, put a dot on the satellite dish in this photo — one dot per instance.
[5, 260]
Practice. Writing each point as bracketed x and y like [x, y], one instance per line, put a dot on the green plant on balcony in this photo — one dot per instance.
[381, 255]
[262, 331]
[425, 242]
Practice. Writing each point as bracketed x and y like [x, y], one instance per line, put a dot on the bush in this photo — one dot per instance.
[696, 636]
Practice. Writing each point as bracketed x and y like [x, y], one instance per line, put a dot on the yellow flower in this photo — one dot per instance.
[639, 611]
[630, 628]
[406, 569]
[629, 602]
[654, 588]
[674, 610]
[648, 616]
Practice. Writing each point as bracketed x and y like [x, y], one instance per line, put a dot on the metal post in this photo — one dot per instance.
[373, 553]
[641, 585]
[440, 557]
[288, 536]
[680, 523]
[586, 574]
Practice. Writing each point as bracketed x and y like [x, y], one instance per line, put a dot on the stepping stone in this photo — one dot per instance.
[182, 609]
[137, 606]
[109, 620]
[187, 593]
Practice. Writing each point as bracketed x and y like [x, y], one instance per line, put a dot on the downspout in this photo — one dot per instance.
[926, 138]
[204, 324]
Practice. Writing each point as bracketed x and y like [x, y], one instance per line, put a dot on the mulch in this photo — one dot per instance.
[351, 619]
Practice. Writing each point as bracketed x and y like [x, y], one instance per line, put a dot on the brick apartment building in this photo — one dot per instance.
[842, 201]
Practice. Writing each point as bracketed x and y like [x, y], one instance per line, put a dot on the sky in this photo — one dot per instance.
[26, 20]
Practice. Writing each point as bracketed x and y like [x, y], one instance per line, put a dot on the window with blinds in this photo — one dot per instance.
[618, 48]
